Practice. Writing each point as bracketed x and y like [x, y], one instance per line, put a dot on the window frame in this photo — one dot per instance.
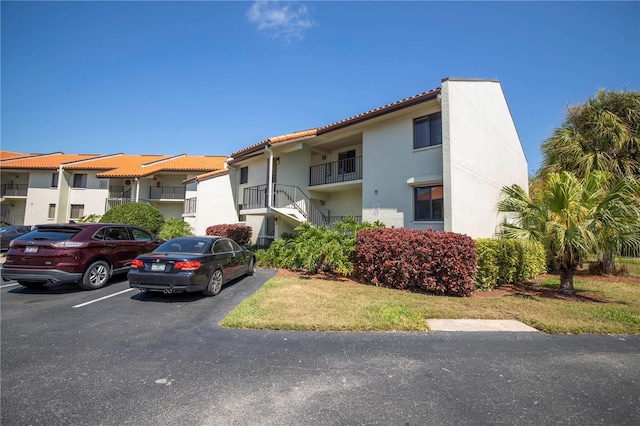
[55, 178]
[430, 140]
[78, 208]
[244, 175]
[51, 214]
[417, 204]
[83, 180]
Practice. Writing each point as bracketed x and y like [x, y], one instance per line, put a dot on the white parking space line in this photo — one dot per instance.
[102, 298]
[9, 285]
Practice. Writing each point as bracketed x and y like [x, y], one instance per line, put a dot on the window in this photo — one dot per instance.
[54, 180]
[244, 175]
[428, 203]
[52, 211]
[140, 235]
[222, 246]
[80, 181]
[427, 131]
[347, 162]
[241, 217]
[77, 211]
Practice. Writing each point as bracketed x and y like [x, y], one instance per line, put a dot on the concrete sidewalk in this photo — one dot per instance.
[478, 325]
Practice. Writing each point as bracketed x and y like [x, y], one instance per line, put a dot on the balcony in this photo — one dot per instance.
[14, 190]
[346, 170]
[167, 193]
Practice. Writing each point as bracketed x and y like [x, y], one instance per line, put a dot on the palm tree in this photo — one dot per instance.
[601, 134]
[571, 217]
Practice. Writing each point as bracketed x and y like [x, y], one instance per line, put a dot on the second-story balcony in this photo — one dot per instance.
[167, 193]
[14, 190]
[346, 170]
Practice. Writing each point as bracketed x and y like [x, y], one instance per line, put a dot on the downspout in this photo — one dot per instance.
[270, 183]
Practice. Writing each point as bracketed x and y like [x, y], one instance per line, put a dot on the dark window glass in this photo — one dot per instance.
[347, 162]
[427, 131]
[80, 181]
[428, 202]
[244, 175]
[52, 211]
[54, 180]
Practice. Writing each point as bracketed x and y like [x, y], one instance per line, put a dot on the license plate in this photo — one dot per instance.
[31, 249]
[157, 266]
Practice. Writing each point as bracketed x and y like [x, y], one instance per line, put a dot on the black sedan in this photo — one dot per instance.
[9, 232]
[187, 264]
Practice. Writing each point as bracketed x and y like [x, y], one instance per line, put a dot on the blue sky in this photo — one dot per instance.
[210, 78]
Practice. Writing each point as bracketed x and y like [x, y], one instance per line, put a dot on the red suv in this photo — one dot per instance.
[85, 253]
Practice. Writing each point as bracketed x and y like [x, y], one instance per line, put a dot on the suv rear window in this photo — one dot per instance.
[60, 234]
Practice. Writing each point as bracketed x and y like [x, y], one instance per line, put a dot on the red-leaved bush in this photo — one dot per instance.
[409, 259]
[241, 234]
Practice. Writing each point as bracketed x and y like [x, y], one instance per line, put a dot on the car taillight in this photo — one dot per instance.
[70, 244]
[137, 263]
[187, 266]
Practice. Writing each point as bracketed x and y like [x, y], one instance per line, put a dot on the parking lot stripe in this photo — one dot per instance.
[102, 298]
[9, 285]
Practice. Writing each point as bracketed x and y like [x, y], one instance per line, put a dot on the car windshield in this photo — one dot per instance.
[184, 245]
[61, 234]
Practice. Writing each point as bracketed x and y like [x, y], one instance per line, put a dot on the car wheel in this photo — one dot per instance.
[96, 275]
[252, 268]
[32, 284]
[215, 284]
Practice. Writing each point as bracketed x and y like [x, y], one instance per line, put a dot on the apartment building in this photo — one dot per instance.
[434, 160]
[58, 187]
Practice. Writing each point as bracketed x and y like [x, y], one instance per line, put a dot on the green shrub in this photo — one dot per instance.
[508, 261]
[144, 215]
[488, 271]
[92, 218]
[316, 248]
[173, 228]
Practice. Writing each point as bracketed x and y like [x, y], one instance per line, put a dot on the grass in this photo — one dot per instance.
[292, 303]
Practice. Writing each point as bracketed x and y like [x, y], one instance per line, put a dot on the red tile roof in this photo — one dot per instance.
[376, 112]
[44, 161]
[8, 155]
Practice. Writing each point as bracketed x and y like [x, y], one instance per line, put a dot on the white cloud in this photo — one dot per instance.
[280, 20]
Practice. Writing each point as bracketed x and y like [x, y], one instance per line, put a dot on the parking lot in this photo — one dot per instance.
[115, 356]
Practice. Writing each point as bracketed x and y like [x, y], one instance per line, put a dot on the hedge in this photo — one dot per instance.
[408, 259]
[241, 234]
[508, 261]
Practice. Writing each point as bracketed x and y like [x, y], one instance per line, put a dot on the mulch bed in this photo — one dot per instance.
[530, 289]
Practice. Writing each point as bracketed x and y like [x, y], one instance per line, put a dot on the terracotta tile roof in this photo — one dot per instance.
[206, 176]
[386, 109]
[44, 161]
[275, 140]
[8, 155]
[376, 112]
[140, 166]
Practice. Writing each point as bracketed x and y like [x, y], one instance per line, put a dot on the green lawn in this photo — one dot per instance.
[294, 303]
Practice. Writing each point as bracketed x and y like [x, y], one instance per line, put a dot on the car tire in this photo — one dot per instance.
[96, 275]
[252, 268]
[215, 284]
[32, 284]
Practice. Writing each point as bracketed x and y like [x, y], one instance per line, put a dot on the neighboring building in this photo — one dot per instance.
[57, 187]
[435, 160]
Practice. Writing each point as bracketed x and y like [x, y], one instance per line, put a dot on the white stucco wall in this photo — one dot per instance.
[482, 153]
[215, 204]
[389, 161]
[39, 196]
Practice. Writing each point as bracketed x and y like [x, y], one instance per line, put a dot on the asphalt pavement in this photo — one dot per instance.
[115, 357]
